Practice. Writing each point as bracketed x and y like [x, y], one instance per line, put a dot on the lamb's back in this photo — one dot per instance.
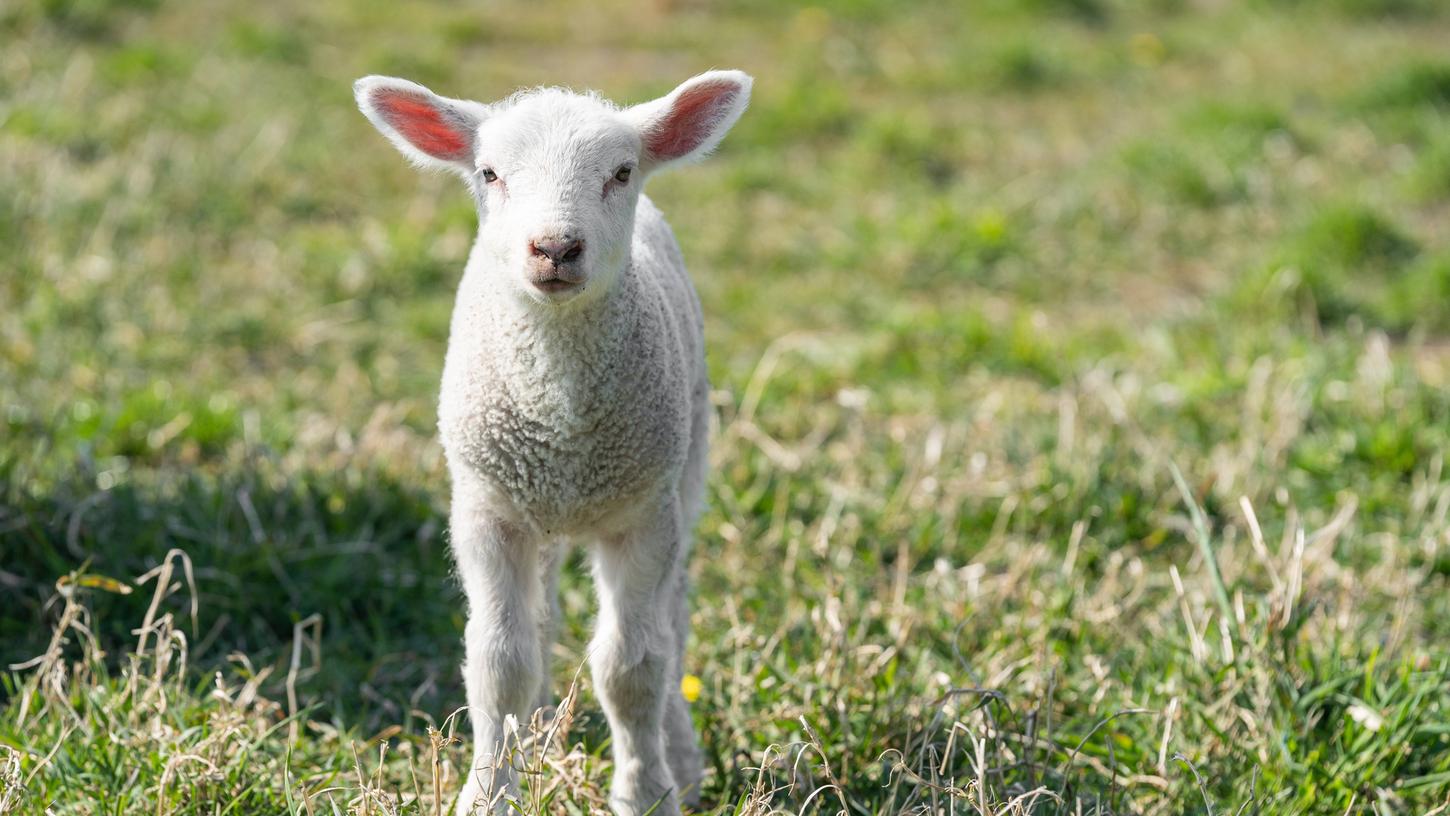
[657, 257]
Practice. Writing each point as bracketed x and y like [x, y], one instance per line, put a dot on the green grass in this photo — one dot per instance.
[978, 281]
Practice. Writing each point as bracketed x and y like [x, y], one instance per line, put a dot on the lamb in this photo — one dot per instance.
[574, 406]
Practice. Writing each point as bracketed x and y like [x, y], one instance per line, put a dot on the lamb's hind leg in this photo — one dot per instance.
[633, 657]
[681, 744]
[682, 747]
[551, 563]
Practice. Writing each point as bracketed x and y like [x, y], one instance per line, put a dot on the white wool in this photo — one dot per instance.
[574, 417]
[574, 405]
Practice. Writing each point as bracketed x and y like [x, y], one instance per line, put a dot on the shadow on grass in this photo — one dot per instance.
[363, 550]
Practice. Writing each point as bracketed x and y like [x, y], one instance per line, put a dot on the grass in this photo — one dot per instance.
[1083, 405]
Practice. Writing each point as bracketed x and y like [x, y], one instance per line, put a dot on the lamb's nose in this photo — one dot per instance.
[558, 250]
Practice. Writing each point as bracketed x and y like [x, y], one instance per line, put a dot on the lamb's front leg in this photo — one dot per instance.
[630, 656]
[498, 564]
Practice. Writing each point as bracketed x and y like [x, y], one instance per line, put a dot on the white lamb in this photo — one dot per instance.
[574, 405]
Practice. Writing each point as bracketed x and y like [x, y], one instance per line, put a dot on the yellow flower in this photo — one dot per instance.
[690, 687]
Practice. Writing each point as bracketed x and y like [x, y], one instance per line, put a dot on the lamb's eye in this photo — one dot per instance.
[489, 176]
[622, 175]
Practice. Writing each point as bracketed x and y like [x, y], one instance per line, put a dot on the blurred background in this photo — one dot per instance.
[1088, 351]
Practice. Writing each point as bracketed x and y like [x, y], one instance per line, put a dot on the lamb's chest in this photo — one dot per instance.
[571, 455]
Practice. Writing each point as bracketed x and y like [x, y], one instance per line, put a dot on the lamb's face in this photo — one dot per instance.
[557, 179]
[556, 174]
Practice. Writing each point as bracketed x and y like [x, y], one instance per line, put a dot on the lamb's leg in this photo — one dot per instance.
[632, 655]
[682, 747]
[551, 563]
[681, 744]
[498, 564]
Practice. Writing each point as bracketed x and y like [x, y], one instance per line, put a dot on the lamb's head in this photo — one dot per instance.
[556, 174]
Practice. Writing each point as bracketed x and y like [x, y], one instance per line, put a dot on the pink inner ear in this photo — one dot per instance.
[691, 120]
[421, 123]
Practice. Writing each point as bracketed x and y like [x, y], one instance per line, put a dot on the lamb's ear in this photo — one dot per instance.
[429, 129]
[688, 123]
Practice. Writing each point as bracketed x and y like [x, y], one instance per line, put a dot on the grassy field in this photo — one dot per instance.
[1083, 376]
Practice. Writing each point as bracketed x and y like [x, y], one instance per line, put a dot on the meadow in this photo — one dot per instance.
[1083, 383]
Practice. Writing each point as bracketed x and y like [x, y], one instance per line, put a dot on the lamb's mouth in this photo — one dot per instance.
[556, 285]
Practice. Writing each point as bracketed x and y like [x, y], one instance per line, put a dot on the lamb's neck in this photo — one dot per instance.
[553, 359]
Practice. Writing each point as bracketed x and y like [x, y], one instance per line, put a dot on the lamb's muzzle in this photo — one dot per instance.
[574, 407]
[554, 263]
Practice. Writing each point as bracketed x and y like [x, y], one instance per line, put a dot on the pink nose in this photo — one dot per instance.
[558, 250]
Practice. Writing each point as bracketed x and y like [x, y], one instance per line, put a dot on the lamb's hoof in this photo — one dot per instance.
[668, 805]
[470, 803]
[688, 779]
[473, 801]
[691, 798]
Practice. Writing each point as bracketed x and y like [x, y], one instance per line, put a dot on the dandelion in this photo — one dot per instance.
[690, 687]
